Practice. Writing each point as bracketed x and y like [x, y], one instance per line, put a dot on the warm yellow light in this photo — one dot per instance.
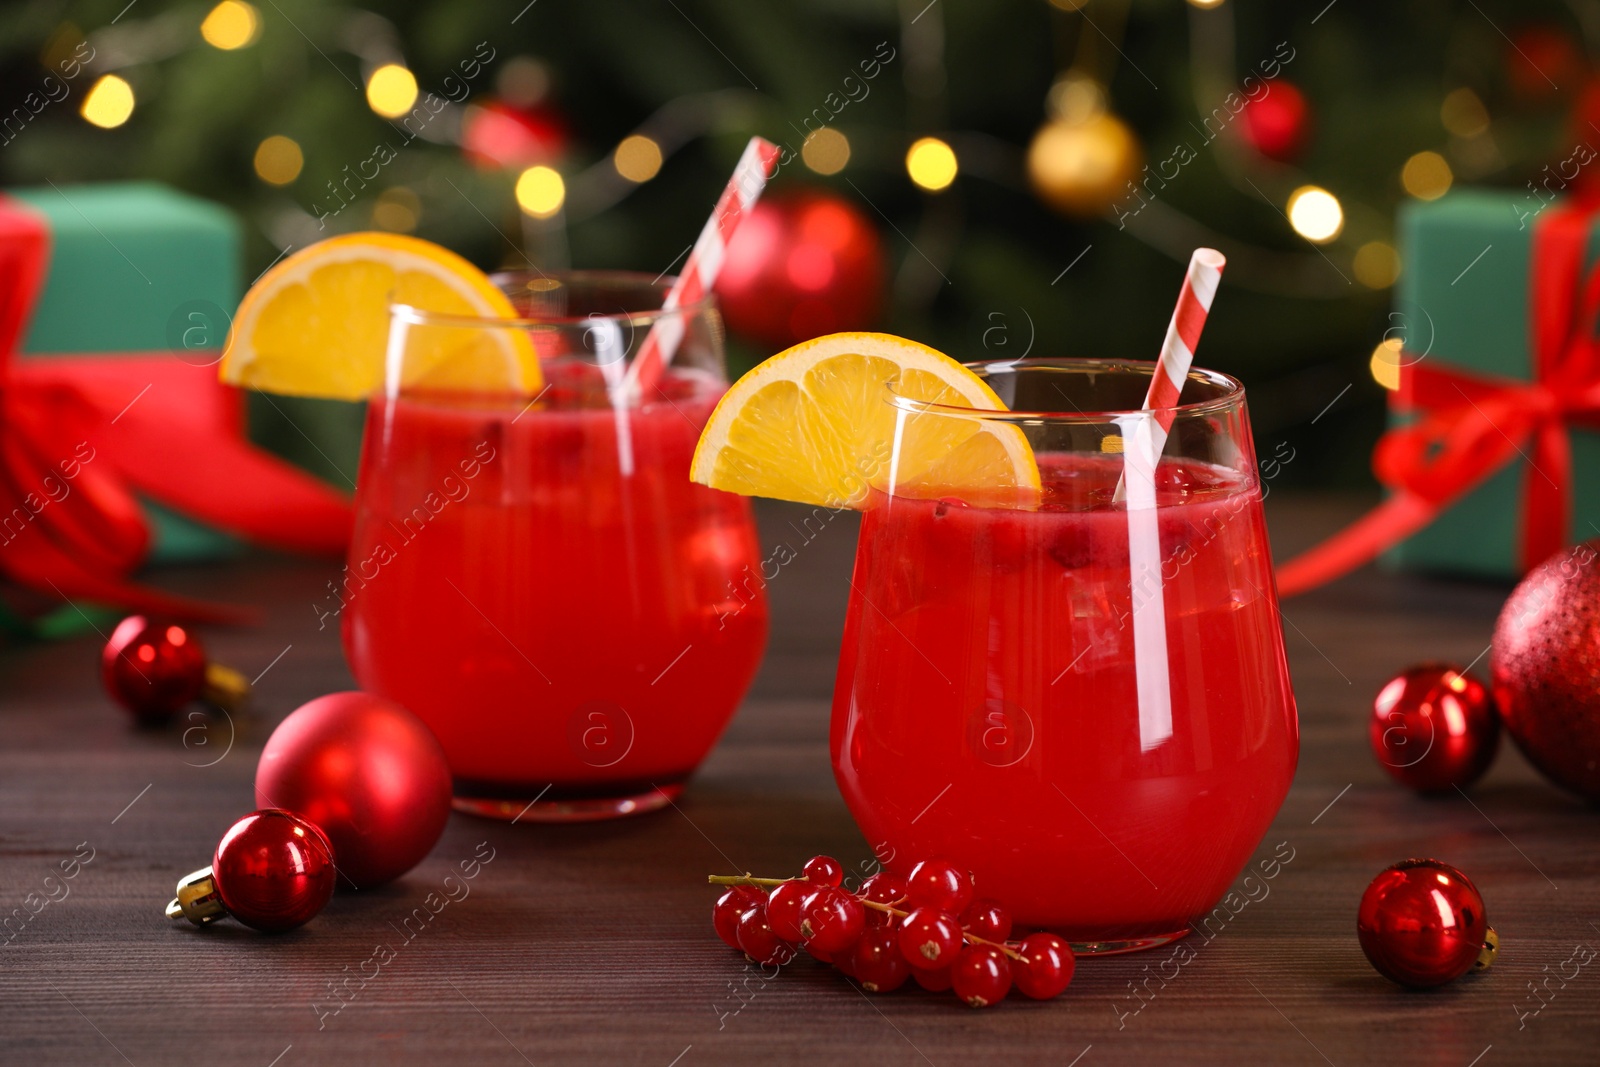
[540, 192]
[1385, 364]
[109, 103]
[278, 160]
[637, 158]
[1463, 114]
[826, 151]
[1315, 214]
[1426, 176]
[391, 90]
[1377, 265]
[397, 210]
[231, 24]
[931, 164]
[1205, 3]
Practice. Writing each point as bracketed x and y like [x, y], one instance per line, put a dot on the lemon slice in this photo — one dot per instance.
[317, 323]
[813, 424]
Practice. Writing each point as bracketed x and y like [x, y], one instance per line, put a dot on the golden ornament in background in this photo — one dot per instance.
[1080, 168]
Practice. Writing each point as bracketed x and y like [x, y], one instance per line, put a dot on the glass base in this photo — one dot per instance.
[547, 808]
[1123, 945]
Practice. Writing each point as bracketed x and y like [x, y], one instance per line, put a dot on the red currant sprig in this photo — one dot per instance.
[926, 925]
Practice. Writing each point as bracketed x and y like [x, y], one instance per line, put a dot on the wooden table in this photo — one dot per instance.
[594, 944]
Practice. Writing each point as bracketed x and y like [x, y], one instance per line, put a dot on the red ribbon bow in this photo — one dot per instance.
[1474, 424]
[79, 435]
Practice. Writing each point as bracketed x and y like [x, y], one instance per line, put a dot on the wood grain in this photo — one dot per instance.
[593, 944]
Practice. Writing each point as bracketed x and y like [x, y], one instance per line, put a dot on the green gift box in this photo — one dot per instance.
[1465, 304]
[137, 267]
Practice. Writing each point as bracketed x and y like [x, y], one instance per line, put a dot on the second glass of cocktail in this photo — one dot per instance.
[1082, 700]
[539, 580]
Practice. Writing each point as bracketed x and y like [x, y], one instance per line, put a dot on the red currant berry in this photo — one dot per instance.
[1048, 969]
[730, 905]
[988, 919]
[981, 976]
[783, 909]
[823, 870]
[932, 981]
[832, 919]
[759, 942]
[930, 939]
[876, 962]
[883, 888]
[937, 884]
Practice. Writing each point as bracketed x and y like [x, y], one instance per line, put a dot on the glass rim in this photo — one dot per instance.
[1232, 395]
[622, 279]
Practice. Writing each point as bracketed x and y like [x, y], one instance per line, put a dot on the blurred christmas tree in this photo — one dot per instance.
[1037, 172]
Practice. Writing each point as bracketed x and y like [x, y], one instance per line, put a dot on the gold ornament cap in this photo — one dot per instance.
[1491, 947]
[197, 899]
[225, 687]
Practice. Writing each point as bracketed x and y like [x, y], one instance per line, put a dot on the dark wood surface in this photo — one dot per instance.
[593, 943]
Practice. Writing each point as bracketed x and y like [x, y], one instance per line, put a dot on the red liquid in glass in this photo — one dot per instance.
[986, 710]
[555, 622]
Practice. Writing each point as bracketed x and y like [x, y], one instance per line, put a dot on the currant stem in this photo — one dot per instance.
[750, 879]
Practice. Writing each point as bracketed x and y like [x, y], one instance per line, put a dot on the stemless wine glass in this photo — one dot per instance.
[535, 576]
[1103, 743]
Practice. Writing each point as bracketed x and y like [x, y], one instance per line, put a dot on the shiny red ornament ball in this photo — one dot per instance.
[273, 870]
[152, 667]
[1546, 657]
[498, 135]
[1422, 924]
[1434, 727]
[802, 263]
[1278, 124]
[369, 773]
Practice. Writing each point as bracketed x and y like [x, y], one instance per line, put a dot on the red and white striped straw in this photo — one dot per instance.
[1183, 334]
[1177, 351]
[700, 270]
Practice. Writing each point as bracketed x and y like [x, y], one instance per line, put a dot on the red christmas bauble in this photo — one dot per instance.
[802, 263]
[1434, 727]
[152, 667]
[369, 773]
[273, 870]
[1278, 124]
[1546, 655]
[498, 135]
[1421, 923]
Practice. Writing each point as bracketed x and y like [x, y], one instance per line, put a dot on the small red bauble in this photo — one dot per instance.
[1422, 924]
[1277, 124]
[801, 264]
[1434, 727]
[272, 871]
[496, 134]
[1545, 654]
[152, 667]
[368, 772]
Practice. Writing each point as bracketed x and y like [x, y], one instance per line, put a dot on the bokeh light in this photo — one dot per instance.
[231, 24]
[1385, 363]
[279, 160]
[1315, 214]
[931, 164]
[826, 151]
[397, 210]
[109, 102]
[391, 90]
[1463, 113]
[1376, 265]
[637, 158]
[1426, 176]
[540, 192]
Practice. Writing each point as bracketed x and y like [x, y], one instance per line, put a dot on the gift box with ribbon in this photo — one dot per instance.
[114, 302]
[1492, 459]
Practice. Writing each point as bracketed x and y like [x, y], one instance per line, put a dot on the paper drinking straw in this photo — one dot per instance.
[1144, 437]
[704, 263]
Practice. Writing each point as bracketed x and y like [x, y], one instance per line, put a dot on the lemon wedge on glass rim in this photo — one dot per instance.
[813, 424]
[316, 324]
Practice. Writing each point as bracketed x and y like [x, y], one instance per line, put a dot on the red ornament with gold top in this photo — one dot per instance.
[1421, 923]
[272, 871]
[1434, 728]
[153, 667]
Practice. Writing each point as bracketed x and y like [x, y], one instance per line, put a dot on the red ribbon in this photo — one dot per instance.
[1471, 425]
[80, 435]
